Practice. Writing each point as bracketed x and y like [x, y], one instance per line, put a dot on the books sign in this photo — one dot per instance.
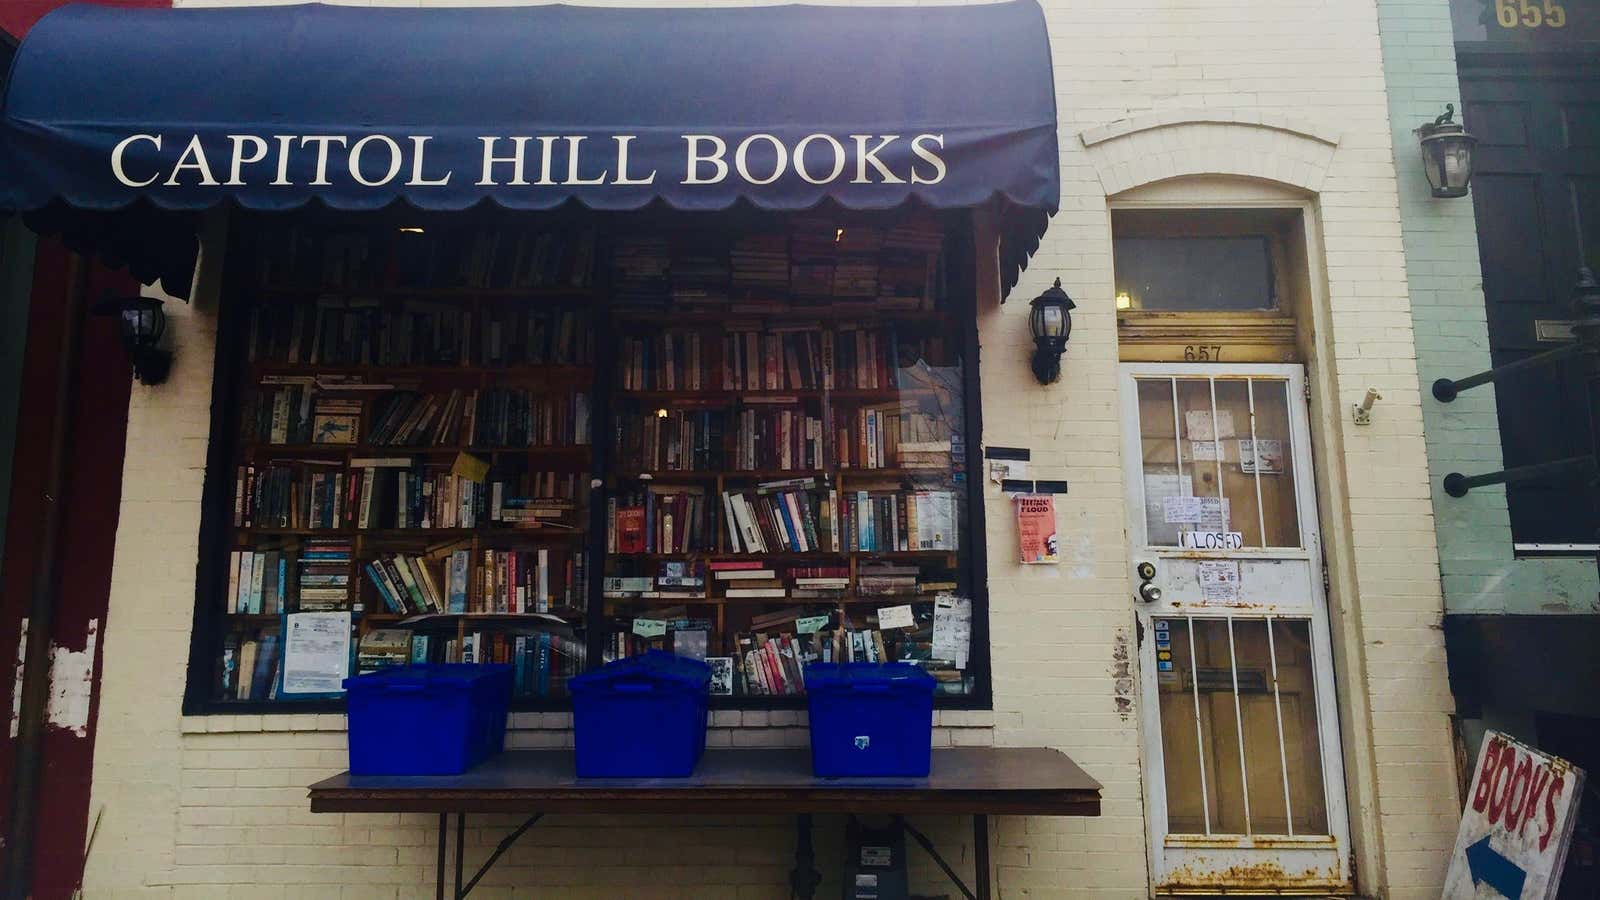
[1036, 528]
[1517, 825]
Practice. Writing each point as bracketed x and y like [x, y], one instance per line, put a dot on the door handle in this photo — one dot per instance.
[1148, 592]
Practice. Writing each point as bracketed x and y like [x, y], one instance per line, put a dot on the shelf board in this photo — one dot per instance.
[238, 619]
[767, 397]
[392, 450]
[484, 531]
[564, 372]
[892, 600]
[379, 292]
[860, 310]
[780, 557]
[778, 474]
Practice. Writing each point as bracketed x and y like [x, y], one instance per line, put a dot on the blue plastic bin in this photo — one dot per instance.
[641, 717]
[870, 719]
[427, 719]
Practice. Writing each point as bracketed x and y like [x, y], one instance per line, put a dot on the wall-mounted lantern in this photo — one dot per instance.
[1051, 323]
[143, 323]
[1447, 154]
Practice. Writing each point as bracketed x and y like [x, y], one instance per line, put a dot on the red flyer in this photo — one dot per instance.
[1036, 528]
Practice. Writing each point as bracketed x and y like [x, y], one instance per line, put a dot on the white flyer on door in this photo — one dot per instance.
[316, 652]
[1198, 423]
[1219, 580]
[1262, 453]
[1213, 513]
[1181, 509]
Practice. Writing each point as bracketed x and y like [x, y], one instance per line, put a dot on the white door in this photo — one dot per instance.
[1243, 785]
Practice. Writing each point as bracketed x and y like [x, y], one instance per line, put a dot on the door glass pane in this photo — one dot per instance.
[1274, 460]
[1291, 646]
[1159, 451]
[1223, 701]
[1238, 479]
[1202, 432]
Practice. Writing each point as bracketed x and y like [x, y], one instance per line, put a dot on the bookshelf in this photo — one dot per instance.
[552, 444]
[786, 440]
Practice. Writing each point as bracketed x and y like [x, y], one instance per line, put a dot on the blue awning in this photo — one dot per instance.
[176, 110]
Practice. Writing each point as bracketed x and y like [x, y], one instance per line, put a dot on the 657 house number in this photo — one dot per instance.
[1202, 352]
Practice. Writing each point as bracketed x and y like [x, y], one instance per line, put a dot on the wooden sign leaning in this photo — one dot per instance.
[1517, 824]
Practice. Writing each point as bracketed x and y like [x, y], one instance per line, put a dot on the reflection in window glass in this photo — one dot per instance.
[1194, 273]
[1239, 727]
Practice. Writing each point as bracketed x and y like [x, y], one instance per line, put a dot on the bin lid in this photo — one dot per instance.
[423, 674]
[652, 664]
[847, 675]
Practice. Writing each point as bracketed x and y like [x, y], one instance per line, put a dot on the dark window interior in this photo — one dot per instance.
[1195, 273]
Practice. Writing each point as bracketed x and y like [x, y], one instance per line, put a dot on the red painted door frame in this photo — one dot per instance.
[90, 504]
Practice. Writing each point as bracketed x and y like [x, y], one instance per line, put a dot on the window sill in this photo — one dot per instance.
[947, 720]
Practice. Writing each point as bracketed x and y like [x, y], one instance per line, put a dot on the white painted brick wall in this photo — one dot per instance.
[216, 808]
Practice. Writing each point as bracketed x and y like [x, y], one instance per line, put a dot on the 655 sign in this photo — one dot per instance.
[1518, 821]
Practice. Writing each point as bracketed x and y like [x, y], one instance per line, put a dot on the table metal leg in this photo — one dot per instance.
[444, 824]
[804, 877]
[980, 855]
[461, 827]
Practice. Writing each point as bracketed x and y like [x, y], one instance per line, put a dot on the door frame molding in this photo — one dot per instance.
[1315, 324]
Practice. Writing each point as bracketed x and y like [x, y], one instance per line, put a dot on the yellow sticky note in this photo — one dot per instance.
[470, 467]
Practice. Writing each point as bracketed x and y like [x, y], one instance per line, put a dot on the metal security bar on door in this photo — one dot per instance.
[1237, 674]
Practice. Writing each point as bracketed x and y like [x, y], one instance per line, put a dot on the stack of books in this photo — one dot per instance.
[684, 440]
[760, 264]
[526, 581]
[777, 439]
[748, 581]
[793, 515]
[280, 411]
[700, 280]
[407, 585]
[324, 575]
[516, 335]
[877, 520]
[660, 519]
[639, 265]
[668, 361]
[305, 494]
[507, 417]
[258, 581]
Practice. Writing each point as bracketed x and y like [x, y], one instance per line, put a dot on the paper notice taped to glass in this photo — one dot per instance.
[896, 617]
[1202, 426]
[316, 652]
[952, 628]
[1219, 580]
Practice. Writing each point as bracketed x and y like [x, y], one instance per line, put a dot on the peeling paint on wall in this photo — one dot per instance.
[16, 680]
[1122, 674]
[72, 684]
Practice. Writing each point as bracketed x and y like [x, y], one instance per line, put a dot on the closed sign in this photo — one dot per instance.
[1514, 832]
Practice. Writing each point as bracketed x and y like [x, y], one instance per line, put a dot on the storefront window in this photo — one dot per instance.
[554, 445]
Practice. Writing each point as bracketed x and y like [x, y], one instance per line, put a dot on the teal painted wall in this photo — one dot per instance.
[1480, 573]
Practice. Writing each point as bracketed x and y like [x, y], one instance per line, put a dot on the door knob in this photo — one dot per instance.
[1148, 593]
